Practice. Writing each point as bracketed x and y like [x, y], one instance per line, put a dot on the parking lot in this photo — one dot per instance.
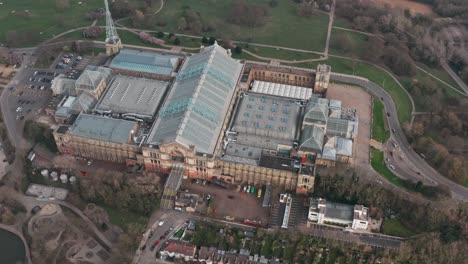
[226, 202]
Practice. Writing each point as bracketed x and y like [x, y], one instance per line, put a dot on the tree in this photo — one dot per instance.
[92, 32]
[251, 15]
[450, 232]
[343, 42]
[171, 35]
[456, 169]
[160, 34]
[138, 18]
[177, 41]
[61, 5]
[211, 40]
[273, 3]
[238, 49]
[464, 74]
[399, 61]
[204, 40]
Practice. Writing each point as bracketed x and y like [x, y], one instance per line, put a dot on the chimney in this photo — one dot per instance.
[229, 53]
[202, 48]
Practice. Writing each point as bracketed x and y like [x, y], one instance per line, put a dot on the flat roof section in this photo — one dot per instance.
[133, 95]
[156, 63]
[284, 90]
[103, 128]
[339, 211]
[267, 116]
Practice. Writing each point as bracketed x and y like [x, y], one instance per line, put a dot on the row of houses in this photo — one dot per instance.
[212, 255]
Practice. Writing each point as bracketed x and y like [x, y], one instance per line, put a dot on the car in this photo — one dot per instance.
[391, 166]
[178, 208]
[35, 209]
[393, 130]
[153, 246]
[143, 247]
[17, 117]
[161, 223]
[42, 87]
[381, 98]
[162, 237]
[388, 114]
[90, 162]
[79, 58]
[167, 232]
[395, 145]
[22, 117]
[156, 242]
[19, 109]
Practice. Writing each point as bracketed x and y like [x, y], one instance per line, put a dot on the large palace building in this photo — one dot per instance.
[212, 115]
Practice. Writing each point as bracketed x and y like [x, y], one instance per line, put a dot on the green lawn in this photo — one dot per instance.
[393, 227]
[37, 16]
[378, 163]
[123, 218]
[282, 54]
[282, 28]
[374, 74]
[379, 130]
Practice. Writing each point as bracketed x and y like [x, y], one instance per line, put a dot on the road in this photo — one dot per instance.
[458, 192]
[330, 25]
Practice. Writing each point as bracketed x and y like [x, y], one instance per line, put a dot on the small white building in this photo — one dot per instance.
[323, 212]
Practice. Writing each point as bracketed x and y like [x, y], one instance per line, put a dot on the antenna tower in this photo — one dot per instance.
[113, 42]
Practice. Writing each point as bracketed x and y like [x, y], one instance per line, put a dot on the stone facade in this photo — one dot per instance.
[280, 75]
[95, 149]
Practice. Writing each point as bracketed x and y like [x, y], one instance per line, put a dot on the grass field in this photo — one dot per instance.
[122, 219]
[283, 26]
[41, 16]
[379, 130]
[393, 227]
[282, 54]
[376, 75]
[378, 163]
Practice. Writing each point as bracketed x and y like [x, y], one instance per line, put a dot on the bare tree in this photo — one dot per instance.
[61, 5]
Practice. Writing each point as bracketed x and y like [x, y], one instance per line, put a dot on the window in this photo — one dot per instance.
[284, 120]
[249, 106]
[246, 114]
[261, 107]
[273, 110]
[259, 116]
[271, 118]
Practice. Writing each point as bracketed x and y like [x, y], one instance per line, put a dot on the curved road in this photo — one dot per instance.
[458, 192]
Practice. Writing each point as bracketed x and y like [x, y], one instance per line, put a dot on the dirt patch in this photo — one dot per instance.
[415, 8]
[230, 203]
[356, 98]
